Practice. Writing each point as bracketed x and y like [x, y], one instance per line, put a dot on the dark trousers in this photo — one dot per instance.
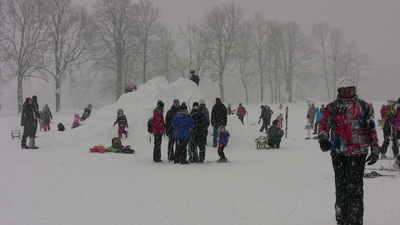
[199, 142]
[181, 151]
[171, 151]
[265, 125]
[157, 148]
[349, 172]
[316, 127]
[395, 143]
[274, 142]
[215, 136]
[28, 132]
[221, 152]
[241, 118]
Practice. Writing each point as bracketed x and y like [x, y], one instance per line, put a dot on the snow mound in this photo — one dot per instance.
[138, 107]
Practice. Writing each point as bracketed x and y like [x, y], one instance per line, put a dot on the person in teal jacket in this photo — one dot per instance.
[318, 117]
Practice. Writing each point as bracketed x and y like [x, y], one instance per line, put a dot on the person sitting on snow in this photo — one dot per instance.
[77, 121]
[117, 147]
[275, 134]
[122, 123]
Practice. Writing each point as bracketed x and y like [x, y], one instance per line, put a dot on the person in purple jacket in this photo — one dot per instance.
[223, 139]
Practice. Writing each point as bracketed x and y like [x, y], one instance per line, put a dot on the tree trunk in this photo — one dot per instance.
[144, 61]
[262, 87]
[246, 91]
[221, 85]
[289, 87]
[20, 90]
[58, 94]
[119, 78]
[325, 66]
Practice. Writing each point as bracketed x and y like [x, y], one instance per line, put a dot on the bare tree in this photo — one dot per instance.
[296, 52]
[113, 39]
[23, 38]
[261, 33]
[321, 33]
[146, 17]
[196, 48]
[275, 56]
[220, 28]
[244, 55]
[337, 47]
[67, 26]
[166, 46]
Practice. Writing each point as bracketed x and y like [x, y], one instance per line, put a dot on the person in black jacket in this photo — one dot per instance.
[122, 123]
[87, 112]
[203, 109]
[37, 113]
[194, 77]
[28, 120]
[266, 115]
[219, 117]
[169, 129]
[199, 135]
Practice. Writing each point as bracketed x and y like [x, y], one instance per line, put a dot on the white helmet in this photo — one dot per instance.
[344, 82]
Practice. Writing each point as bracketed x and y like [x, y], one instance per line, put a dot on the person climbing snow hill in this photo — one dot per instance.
[122, 123]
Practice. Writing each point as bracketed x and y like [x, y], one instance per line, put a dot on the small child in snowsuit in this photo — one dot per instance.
[122, 123]
[222, 142]
[77, 121]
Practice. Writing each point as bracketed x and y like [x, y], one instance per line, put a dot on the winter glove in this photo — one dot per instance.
[325, 144]
[372, 159]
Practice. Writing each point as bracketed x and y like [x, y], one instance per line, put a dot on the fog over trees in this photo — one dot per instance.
[123, 42]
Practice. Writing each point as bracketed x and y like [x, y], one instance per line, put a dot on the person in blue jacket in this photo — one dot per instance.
[222, 142]
[183, 125]
[318, 117]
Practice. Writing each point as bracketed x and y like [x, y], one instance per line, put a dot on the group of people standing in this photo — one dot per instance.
[314, 117]
[187, 132]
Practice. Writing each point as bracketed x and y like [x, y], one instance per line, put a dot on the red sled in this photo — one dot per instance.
[98, 149]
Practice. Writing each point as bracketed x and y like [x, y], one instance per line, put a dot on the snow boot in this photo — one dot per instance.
[32, 144]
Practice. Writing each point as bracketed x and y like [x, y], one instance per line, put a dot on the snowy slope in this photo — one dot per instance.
[64, 184]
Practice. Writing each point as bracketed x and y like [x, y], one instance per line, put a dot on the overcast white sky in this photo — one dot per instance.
[374, 24]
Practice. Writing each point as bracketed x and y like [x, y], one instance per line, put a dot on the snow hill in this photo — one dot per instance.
[138, 107]
[64, 184]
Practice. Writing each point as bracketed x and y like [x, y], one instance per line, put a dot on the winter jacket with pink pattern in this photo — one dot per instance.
[349, 125]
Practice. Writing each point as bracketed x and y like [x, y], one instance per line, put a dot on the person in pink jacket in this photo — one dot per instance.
[158, 129]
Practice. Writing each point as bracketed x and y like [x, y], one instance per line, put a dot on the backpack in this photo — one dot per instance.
[150, 125]
[60, 127]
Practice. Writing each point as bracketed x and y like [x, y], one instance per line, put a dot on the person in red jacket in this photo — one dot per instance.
[158, 129]
[241, 112]
[347, 130]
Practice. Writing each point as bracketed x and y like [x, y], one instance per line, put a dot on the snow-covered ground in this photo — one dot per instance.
[64, 184]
